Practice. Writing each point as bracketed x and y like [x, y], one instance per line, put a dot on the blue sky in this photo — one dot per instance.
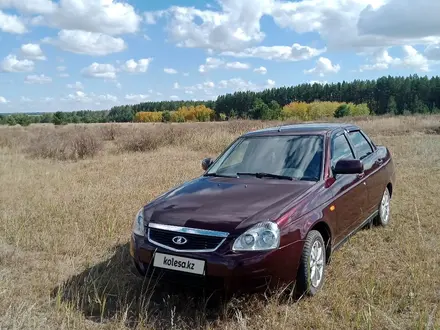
[93, 54]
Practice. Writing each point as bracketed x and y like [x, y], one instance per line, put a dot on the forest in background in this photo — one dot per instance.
[386, 95]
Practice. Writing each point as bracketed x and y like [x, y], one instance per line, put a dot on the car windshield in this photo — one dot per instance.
[294, 156]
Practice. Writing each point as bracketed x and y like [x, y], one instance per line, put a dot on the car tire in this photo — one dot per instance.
[311, 271]
[383, 217]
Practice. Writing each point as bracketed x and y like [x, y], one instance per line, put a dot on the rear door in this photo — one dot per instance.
[349, 190]
[367, 153]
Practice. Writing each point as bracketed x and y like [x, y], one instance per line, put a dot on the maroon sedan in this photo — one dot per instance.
[270, 210]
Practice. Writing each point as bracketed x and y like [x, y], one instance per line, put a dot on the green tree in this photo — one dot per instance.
[260, 110]
[342, 111]
[392, 106]
[166, 116]
[121, 114]
[59, 118]
[22, 119]
[11, 121]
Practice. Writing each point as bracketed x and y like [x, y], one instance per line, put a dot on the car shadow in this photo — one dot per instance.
[112, 291]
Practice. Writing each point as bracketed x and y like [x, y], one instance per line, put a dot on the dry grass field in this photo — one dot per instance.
[69, 194]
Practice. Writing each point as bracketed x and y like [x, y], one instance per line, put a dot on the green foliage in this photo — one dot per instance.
[360, 110]
[59, 118]
[11, 121]
[166, 116]
[392, 106]
[342, 111]
[386, 95]
[121, 114]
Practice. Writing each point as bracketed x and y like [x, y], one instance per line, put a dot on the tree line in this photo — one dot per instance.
[386, 95]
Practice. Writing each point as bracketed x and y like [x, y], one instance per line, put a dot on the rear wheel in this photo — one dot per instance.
[311, 272]
[383, 218]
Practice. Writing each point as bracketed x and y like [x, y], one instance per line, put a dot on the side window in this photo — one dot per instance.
[341, 149]
[361, 145]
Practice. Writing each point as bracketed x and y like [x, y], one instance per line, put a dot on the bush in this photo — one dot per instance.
[166, 116]
[342, 111]
[148, 117]
[109, 132]
[296, 110]
[198, 113]
[65, 144]
[360, 110]
[141, 139]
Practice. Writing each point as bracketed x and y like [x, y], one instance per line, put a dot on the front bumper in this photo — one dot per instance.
[245, 271]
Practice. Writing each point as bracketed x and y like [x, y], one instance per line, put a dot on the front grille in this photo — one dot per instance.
[194, 242]
[197, 240]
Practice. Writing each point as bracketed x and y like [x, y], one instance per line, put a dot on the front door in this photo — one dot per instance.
[350, 191]
[366, 153]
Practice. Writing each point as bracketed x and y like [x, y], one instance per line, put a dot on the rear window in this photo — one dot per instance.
[361, 145]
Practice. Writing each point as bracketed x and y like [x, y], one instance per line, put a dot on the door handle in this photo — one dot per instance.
[379, 161]
[361, 175]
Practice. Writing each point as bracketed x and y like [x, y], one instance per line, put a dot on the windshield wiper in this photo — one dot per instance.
[268, 175]
[217, 175]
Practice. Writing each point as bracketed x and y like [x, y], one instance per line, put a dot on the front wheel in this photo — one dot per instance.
[383, 218]
[311, 272]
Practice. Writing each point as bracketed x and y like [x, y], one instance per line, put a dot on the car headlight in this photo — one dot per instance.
[138, 224]
[263, 236]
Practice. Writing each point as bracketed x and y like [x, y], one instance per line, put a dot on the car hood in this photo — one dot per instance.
[226, 204]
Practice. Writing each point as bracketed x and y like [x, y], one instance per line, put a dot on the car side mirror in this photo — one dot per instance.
[348, 166]
[206, 163]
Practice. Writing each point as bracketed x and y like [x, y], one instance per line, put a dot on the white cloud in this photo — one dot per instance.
[189, 92]
[270, 83]
[170, 70]
[33, 52]
[80, 96]
[140, 66]
[234, 27]
[186, 74]
[38, 79]
[77, 85]
[238, 66]
[174, 97]
[61, 68]
[64, 75]
[25, 99]
[176, 85]
[11, 64]
[99, 16]
[237, 84]
[261, 70]
[401, 19]
[279, 53]
[30, 6]
[212, 63]
[432, 52]
[136, 97]
[107, 98]
[11, 24]
[97, 70]
[88, 43]
[3, 100]
[414, 60]
[323, 67]
[381, 61]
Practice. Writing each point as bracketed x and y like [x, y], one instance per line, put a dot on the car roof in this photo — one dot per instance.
[309, 128]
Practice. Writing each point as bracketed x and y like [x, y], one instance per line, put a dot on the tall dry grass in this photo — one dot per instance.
[64, 228]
